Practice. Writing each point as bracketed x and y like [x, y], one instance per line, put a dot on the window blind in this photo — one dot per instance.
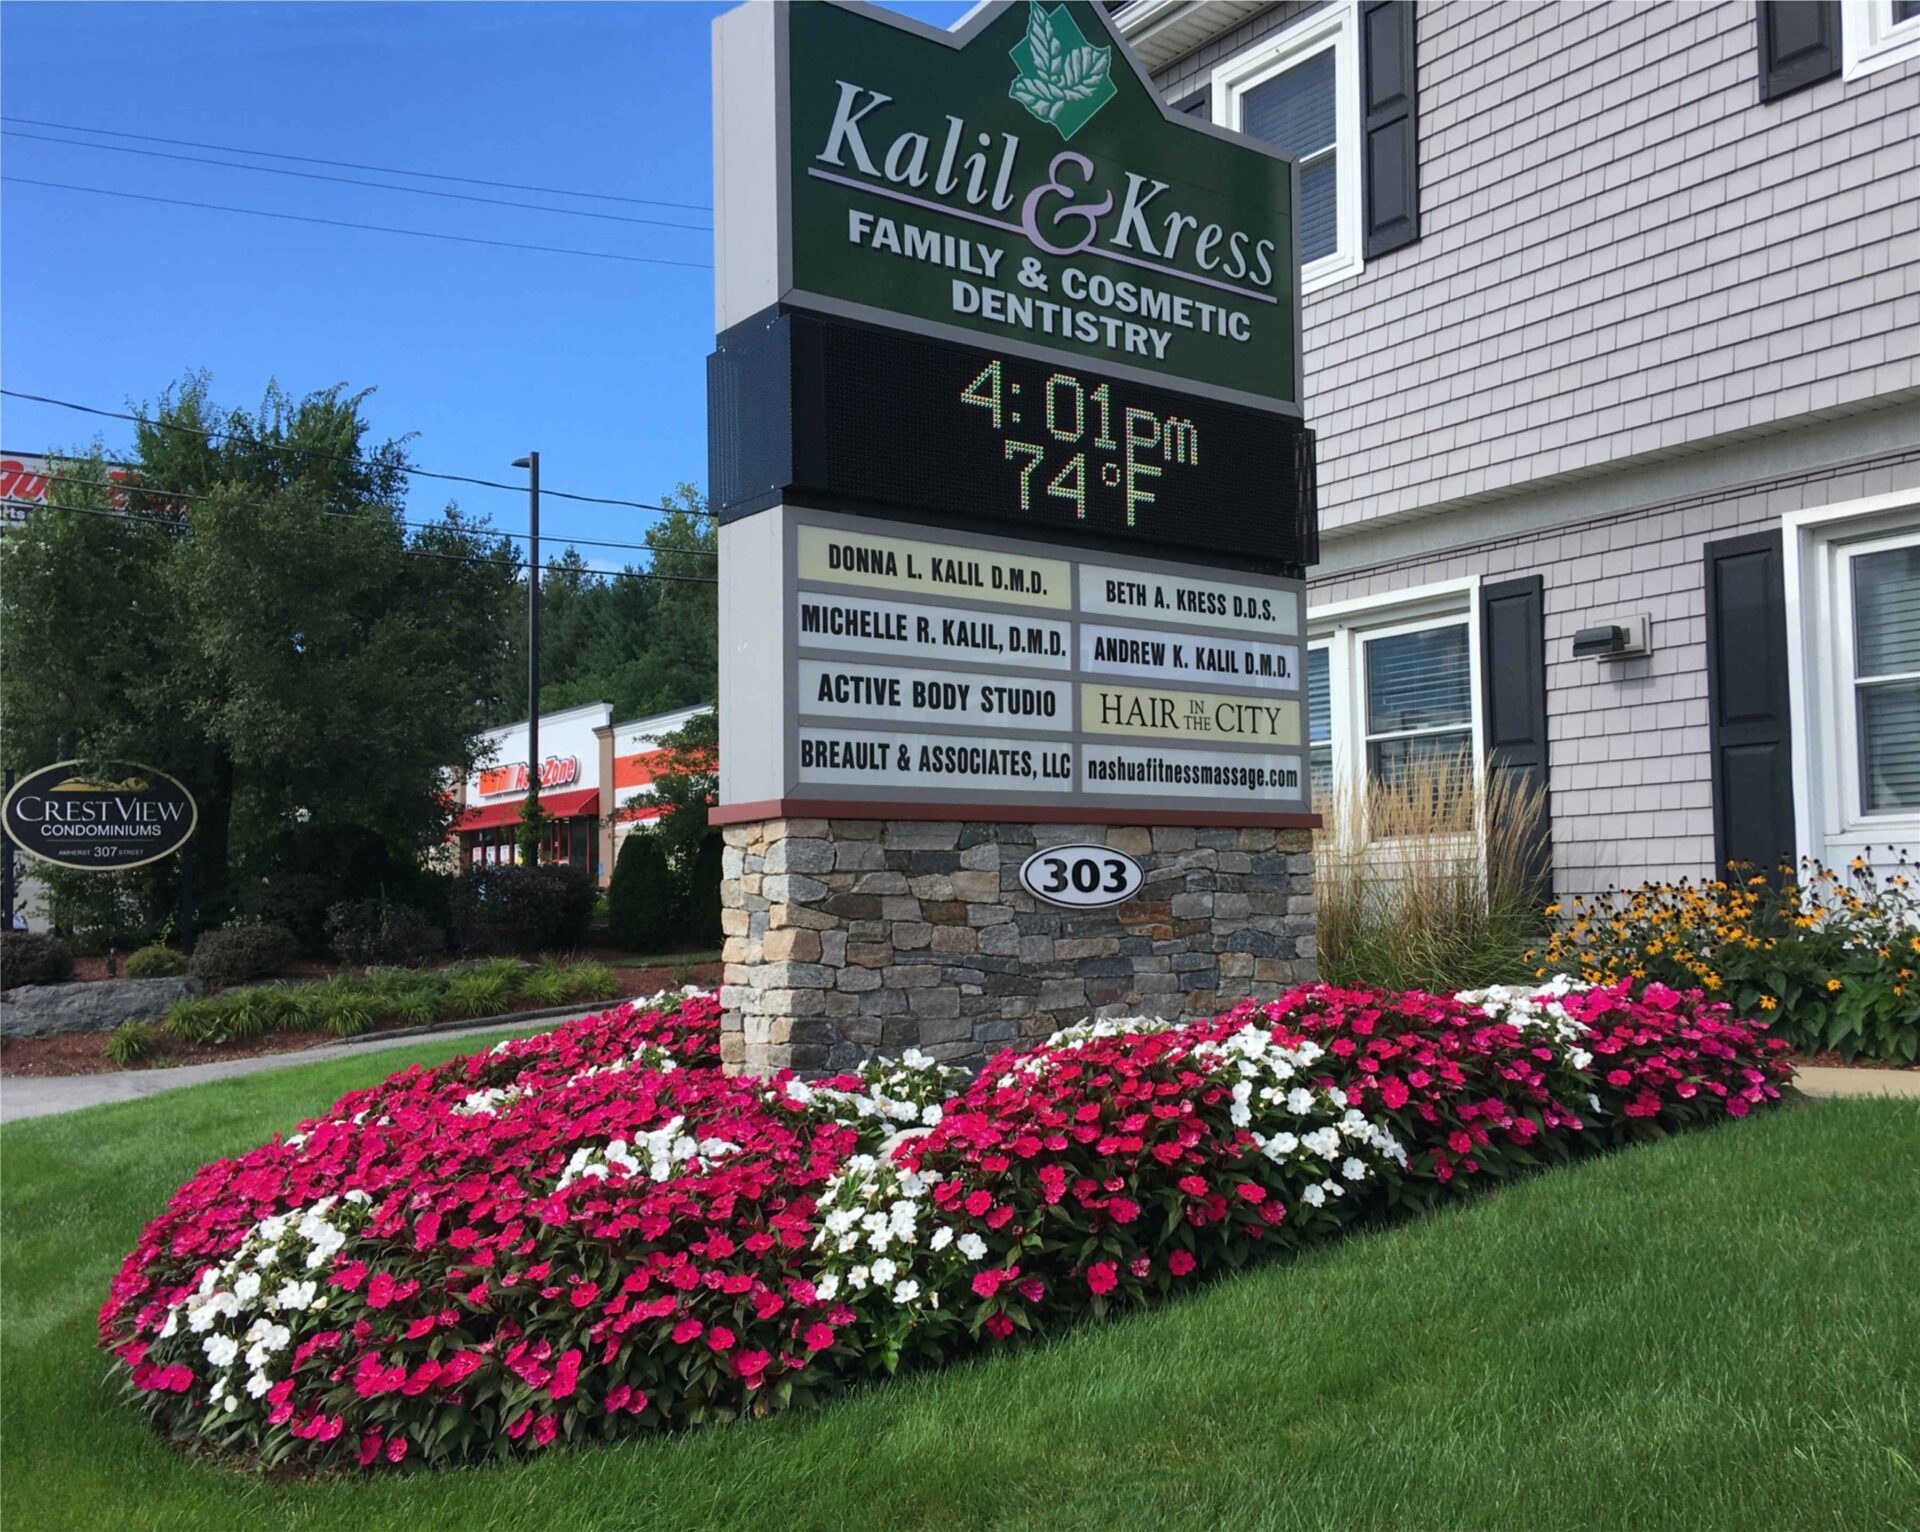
[1419, 680]
[1886, 612]
[1295, 111]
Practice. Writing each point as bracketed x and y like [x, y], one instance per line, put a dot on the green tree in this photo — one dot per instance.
[687, 785]
[259, 621]
[645, 645]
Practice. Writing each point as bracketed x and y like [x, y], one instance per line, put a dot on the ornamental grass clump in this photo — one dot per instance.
[1427, 879]
[1831, 958]
[596, 1231]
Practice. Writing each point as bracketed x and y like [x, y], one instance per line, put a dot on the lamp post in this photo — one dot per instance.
[530, 815]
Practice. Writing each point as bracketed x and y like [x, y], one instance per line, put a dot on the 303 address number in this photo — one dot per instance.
[1081, 877]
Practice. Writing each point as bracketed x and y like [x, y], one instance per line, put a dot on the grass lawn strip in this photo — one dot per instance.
[1715, 1331]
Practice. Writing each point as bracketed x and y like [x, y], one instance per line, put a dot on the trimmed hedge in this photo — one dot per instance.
[521, 909]
[240, 953]
[640, 895]
[28, 957]
[370, 931]
[154, 961]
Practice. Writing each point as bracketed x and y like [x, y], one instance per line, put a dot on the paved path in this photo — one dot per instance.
[29, 1096]
[1829, 1083]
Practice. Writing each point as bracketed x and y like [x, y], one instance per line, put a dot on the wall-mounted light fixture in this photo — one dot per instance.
[1622, 638]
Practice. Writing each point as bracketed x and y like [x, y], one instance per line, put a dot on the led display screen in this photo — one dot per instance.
[882, 422]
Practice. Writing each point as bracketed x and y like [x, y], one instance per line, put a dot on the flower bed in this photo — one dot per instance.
[1831, 958]
[595, 1231]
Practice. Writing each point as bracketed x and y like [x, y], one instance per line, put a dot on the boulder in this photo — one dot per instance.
[40, 1010]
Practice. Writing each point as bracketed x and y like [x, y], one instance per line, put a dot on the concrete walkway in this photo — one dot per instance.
[1832, 1083]
[23, 1096]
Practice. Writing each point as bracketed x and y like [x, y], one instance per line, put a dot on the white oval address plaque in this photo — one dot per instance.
[1081, 877]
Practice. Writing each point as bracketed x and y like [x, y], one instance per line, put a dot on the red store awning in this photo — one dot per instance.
[568, 805]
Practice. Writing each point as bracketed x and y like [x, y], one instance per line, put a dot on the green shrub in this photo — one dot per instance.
[154, 962]
[640, 895]
[239, 953]
[340, 1005]
[369, 931]
[133, 1042]
[590, 981]
[219, 1019]
[541, 987]
[478, 992]
[29, 957]
[521, 909]
[1830, 959]
[699, 921]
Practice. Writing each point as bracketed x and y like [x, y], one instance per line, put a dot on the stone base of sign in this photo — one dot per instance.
[847, 937]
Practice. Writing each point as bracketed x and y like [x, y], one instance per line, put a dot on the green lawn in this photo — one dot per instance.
[1722, 1331]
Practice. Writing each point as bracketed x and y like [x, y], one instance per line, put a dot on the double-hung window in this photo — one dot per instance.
[1300, 91]
[1877, 34]
[1881, 586]
[1853, 655]
[1391, 689]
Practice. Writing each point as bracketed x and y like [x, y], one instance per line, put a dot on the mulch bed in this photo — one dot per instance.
[85, 1053]
[1834, 1061]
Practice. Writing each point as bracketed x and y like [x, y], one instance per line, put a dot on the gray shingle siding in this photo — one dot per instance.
[1623, 254]
[1628, 747]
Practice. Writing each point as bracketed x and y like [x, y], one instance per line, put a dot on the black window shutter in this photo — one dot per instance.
[1390, 127]
[1513, 672]
[1799, 45]
[1749, 728]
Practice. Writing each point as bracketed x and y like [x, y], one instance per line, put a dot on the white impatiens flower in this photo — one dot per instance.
[906, 1290]
[972, 1246]
[942, 1237]
[1299, 1102]
[827, 1288]
[296, 1295]
[1313, 1196]
[1353, 1169]
[884, 1271]
[247, 1286]
[220, 1349]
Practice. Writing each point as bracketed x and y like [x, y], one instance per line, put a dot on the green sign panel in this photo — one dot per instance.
[1019, 180]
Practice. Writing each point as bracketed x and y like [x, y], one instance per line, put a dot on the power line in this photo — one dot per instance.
[142, 487]
[308, 159]
[371, 228]
[344, 457]
[314, 175]
[408, 549]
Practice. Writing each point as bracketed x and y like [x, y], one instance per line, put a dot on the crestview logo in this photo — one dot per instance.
[555, 771]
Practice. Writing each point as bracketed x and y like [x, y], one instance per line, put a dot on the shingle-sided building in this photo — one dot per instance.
[1612, 322]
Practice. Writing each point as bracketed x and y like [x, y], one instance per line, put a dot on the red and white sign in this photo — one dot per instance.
[555, 771]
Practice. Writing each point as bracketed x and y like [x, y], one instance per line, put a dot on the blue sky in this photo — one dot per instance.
[483, 352]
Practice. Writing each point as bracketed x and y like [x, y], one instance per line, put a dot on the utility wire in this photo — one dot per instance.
[390, 170]
[142, 487]
[372, 228]
[361, 462]
[410, 551]
[314, 175]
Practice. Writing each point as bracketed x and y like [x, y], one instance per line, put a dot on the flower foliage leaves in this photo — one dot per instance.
[596, 1231]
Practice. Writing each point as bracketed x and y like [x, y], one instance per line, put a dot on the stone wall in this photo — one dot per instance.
[846, 937]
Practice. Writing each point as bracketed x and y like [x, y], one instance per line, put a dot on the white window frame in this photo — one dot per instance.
[1870, 39]
[1335, 28]
[1818, 545]
[1343, 627]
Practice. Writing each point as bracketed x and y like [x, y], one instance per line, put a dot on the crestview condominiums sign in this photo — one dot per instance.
[1017, 180]
[103, 818]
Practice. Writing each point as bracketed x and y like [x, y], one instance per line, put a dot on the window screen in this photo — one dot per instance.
[1419, 699]
[1886, 662]
[1295, 111]
[1319, 723]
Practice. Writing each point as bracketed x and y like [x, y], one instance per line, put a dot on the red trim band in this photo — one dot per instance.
[1000, 813]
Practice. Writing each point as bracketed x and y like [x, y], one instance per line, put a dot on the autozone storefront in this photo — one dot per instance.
[596, 788]
[488, 826]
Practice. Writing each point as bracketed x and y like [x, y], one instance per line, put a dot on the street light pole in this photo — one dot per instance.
[531, 462]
